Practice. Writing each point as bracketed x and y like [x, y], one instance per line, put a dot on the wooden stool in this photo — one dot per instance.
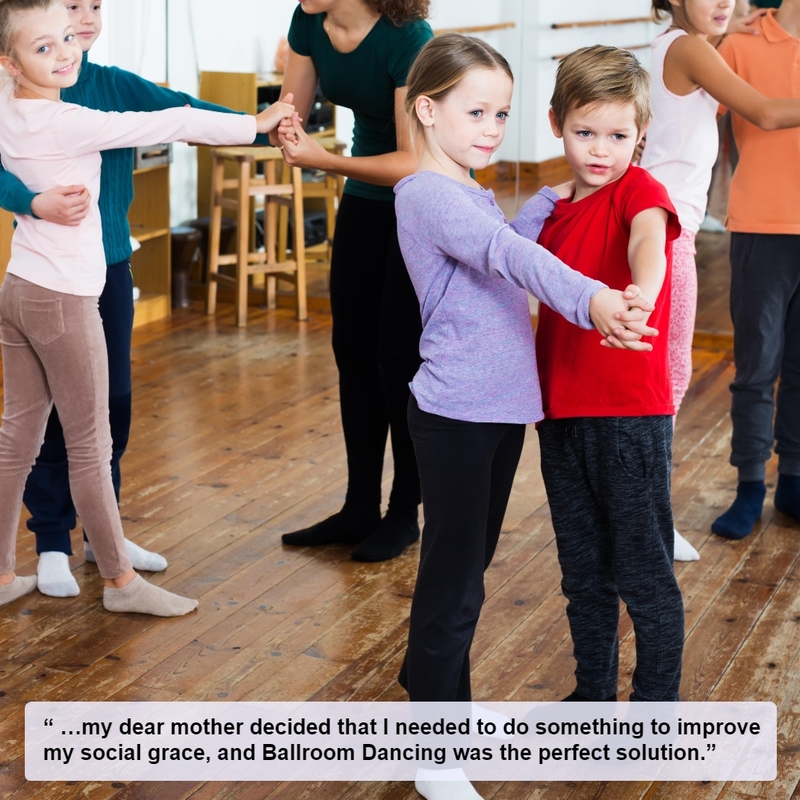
[330, 190]
[277, 194]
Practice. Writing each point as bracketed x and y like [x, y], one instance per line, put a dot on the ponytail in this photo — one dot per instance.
[661, 10]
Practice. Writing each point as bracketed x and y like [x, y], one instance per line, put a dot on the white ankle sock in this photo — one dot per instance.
[21, 585]
[446, 784]
[55, 578]
[142, 597]
[683, 550]
[498, 720]
[140, 558]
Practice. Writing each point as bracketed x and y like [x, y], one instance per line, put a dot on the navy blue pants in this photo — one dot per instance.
[608, 485]
[47, 495]
[466, 471]
[765, 308]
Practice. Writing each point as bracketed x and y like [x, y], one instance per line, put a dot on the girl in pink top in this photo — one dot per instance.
[52, 336]
[690, 82]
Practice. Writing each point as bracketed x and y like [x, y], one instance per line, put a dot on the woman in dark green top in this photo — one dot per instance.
[360, 52]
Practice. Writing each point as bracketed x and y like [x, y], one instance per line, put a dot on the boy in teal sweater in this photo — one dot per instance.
[47, 493]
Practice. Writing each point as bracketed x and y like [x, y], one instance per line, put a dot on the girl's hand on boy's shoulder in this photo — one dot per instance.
[564, 190]
[743, 24]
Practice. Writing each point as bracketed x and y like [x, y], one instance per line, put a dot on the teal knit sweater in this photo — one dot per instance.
[109, 89]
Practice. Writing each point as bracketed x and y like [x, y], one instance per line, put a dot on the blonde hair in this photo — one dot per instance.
[12, 14]
[443, 62]
[601, 74]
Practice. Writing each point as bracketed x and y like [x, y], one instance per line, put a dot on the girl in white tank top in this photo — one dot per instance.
[690, 82]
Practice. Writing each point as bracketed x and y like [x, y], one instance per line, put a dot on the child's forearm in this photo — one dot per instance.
[649, 268]
[646, 251]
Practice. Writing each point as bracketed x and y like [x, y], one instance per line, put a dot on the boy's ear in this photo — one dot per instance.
[424, 108]
[10, 66]
[553, 124]
[643, 131]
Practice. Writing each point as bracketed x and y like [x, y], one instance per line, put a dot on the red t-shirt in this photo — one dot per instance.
[579, 377]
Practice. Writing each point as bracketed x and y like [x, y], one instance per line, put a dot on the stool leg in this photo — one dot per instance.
[214, 226]
[299, 244]
[272, 214]
[243, 243]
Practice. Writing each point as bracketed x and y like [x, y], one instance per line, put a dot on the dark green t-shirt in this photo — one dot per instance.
[363, 80]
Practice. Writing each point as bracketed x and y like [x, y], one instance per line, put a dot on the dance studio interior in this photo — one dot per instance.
[236, 439]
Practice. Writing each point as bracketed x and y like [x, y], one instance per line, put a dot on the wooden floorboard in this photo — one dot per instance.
[236, 439]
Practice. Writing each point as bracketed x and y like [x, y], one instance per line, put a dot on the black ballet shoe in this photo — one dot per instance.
[345, 527]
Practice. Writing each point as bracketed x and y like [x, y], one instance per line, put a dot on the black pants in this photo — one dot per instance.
[376, 330]
[47, 494]
[765, 307]
[466, 470]
[608, 485]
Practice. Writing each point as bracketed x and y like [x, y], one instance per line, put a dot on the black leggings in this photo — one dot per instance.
[376, 330]
[467, 470]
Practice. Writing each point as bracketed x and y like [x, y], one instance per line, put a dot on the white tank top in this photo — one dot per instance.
[682, 140]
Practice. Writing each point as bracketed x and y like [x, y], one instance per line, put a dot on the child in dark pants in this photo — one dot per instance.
[606, 438]
[477, 385]
[764, 221]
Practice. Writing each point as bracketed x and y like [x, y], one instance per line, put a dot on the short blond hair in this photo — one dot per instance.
[601, 74]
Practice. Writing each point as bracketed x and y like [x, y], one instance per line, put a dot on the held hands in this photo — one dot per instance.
[622, 318]
[269, 119]
[299, 149]
[63, 205]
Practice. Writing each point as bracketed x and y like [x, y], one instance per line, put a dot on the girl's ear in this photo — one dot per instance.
[10, 66]
[553, 124]
[424, 108]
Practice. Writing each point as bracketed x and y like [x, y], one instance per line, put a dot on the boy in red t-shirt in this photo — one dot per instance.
[607, 435]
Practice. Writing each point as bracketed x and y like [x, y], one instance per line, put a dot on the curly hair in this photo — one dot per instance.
[401, 11]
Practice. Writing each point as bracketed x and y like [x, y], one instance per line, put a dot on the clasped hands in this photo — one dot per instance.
[621, 317]
[299, 149]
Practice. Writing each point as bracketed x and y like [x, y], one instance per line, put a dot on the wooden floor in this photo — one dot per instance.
[236, 439]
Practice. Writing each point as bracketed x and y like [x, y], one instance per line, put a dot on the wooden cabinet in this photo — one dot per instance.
[151, 264]
[149, 219]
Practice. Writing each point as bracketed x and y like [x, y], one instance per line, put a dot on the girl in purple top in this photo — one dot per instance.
[477, 386]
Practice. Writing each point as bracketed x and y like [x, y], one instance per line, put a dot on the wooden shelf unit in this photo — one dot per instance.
[151, 264]
[149, 220]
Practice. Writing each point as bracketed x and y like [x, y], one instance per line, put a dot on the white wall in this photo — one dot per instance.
[242, 35]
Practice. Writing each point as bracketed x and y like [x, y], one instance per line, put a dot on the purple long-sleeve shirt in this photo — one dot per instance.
[471, 271]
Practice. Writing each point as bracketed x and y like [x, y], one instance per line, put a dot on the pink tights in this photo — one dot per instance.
[682, 315]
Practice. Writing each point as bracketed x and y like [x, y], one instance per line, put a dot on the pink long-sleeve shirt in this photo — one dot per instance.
[46, 144]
